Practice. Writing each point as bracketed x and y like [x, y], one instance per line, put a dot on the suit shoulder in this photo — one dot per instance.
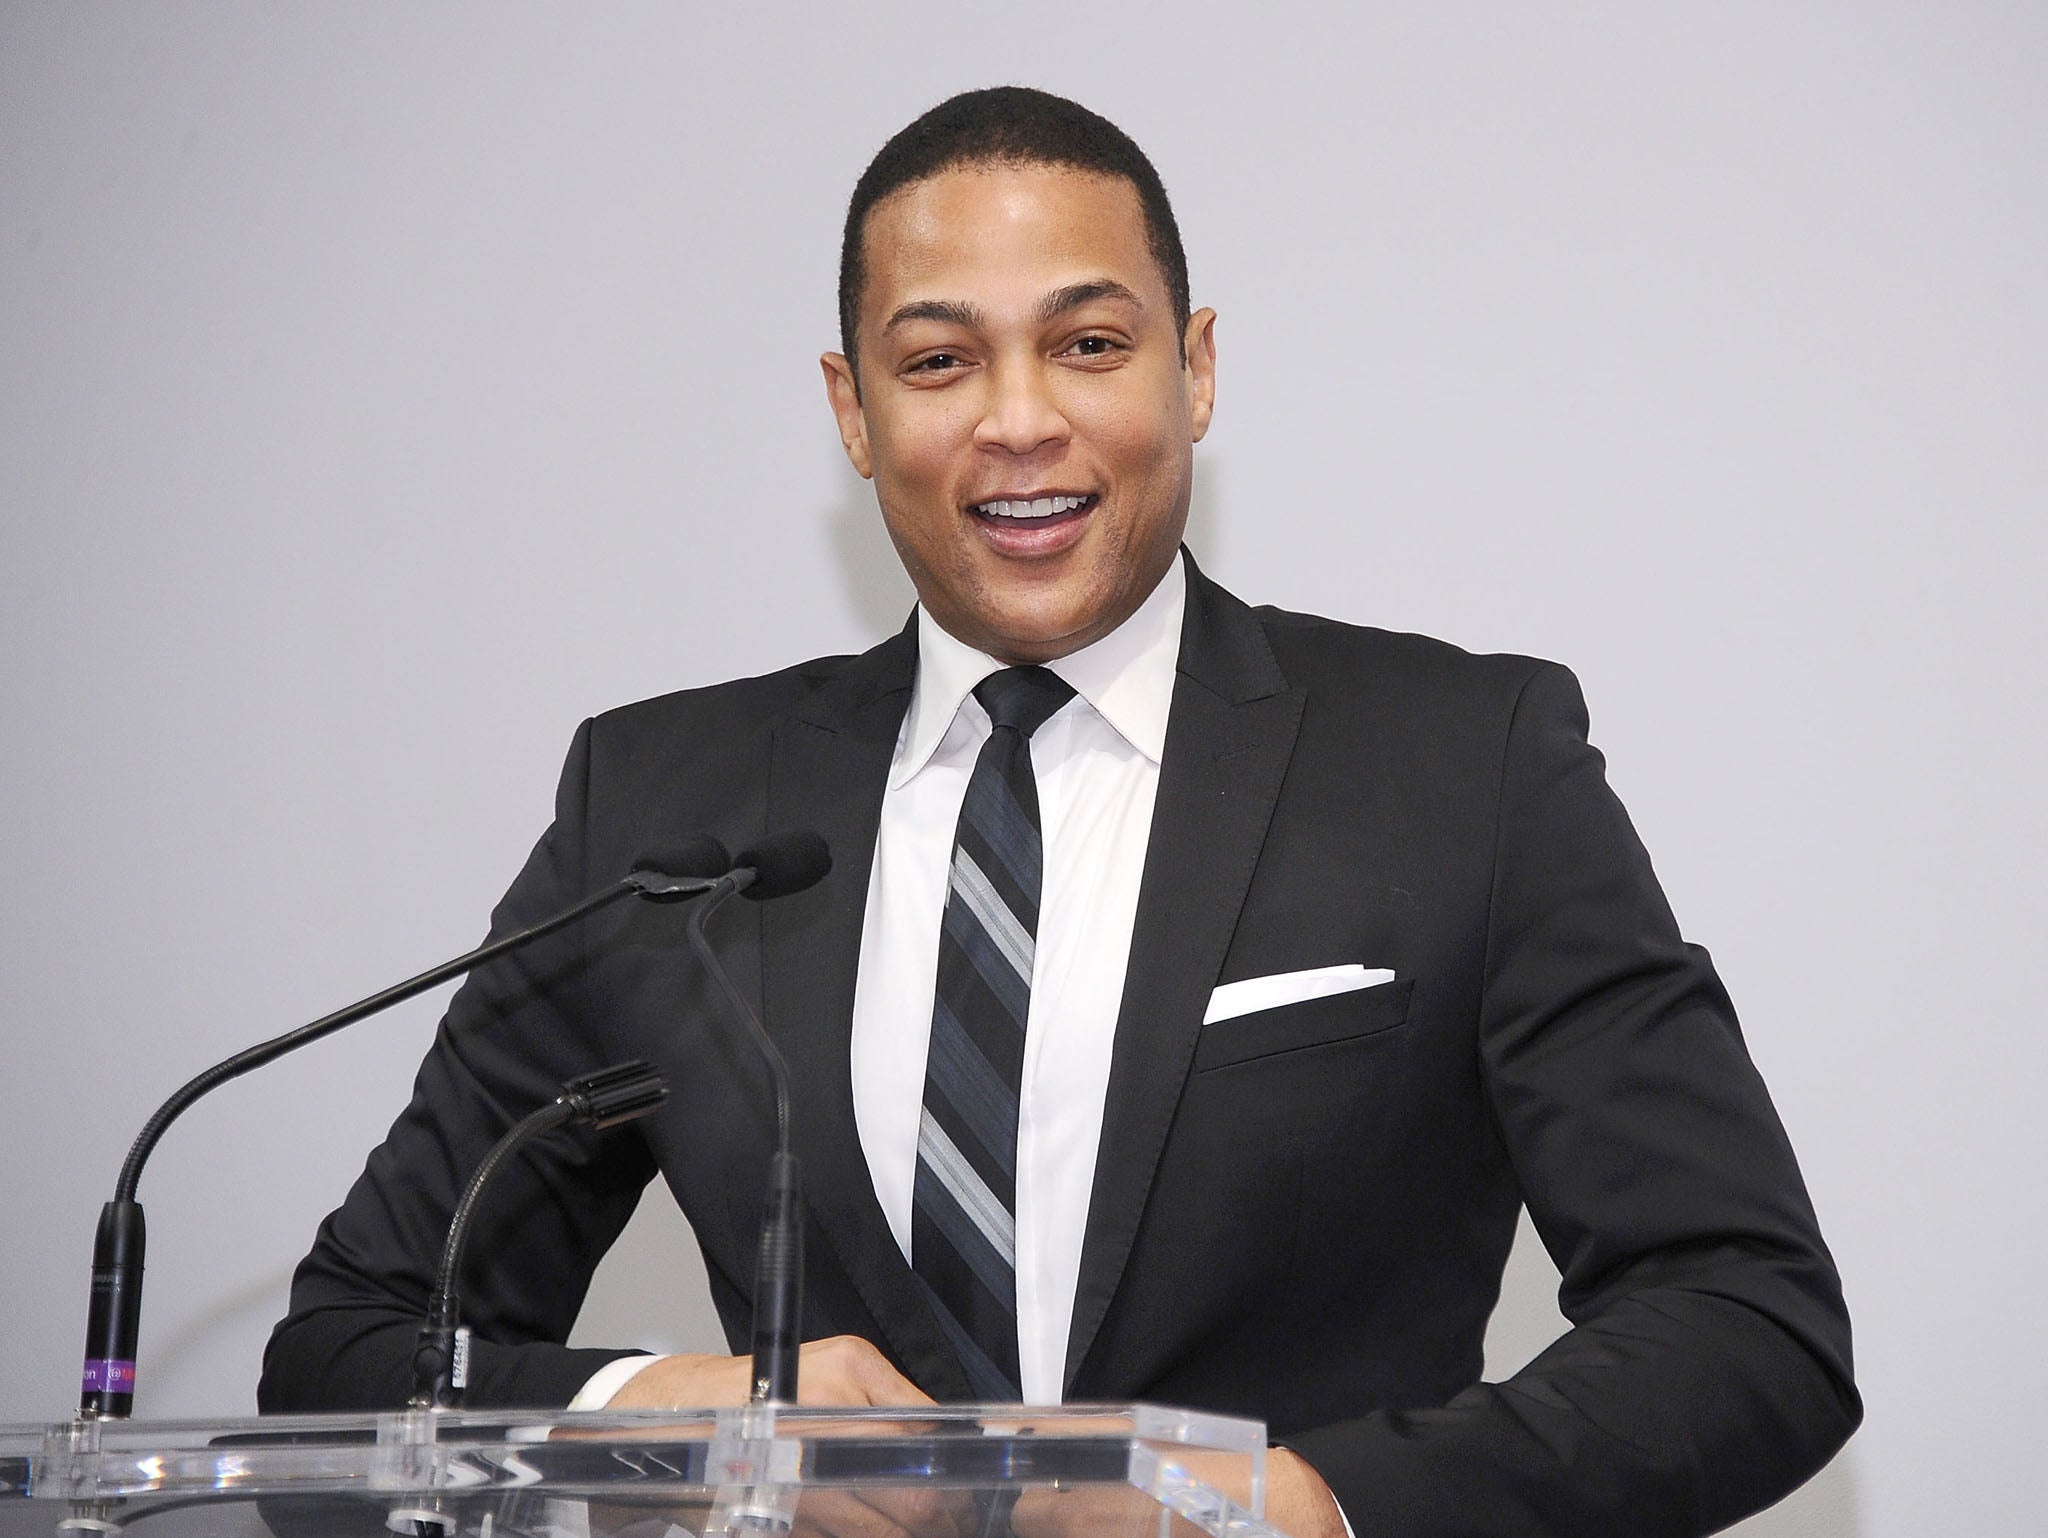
[1323, 653]
[644, 773]
[734, 705]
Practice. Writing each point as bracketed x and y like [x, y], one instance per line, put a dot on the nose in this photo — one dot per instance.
[1020, 413]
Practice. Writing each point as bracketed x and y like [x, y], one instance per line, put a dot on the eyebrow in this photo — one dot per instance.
[1074, 295]
[948, 312]
[955, 312]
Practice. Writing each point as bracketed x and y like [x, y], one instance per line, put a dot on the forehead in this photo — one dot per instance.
[986, 231]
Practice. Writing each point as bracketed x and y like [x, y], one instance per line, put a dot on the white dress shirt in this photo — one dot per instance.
[1096, 761]
[1097, 766]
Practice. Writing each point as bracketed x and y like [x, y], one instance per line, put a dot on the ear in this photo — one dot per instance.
[844, 399]
[1201, 369]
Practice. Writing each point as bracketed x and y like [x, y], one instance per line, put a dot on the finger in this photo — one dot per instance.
[927, 1510]
[839, 1514]
[684, 1382]
[1098, 1511]
[884, 1385]
[847, 1370]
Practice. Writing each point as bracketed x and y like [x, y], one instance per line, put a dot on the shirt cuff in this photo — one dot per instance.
[598, 1389]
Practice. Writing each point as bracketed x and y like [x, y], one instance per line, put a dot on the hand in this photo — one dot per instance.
[1297, 1503]
[842, 1370]
[1297, 1500]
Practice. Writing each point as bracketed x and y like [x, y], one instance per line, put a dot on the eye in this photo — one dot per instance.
[936, 363]
[1094, 345]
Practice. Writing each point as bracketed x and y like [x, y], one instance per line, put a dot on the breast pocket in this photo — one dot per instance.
[1302, 1027]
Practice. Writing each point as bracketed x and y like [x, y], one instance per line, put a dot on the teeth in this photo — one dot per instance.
[1040, 507]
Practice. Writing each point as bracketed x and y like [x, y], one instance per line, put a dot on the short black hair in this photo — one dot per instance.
[1007, 125]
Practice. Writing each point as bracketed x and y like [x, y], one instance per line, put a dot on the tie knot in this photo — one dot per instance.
[1023, 698]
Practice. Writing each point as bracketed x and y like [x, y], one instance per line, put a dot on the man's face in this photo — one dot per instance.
[1024, 411]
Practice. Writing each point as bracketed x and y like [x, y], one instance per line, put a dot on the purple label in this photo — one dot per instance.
[107, 1375]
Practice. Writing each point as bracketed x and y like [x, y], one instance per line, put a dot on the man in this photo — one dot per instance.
[1342, 949]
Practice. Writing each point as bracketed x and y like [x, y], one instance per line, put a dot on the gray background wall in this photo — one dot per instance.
[386, 387]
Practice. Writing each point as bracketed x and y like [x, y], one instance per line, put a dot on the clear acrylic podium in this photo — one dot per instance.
[1113, 1471]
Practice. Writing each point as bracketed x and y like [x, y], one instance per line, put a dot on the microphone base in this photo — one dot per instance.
[779, 1286]
[113, 1320]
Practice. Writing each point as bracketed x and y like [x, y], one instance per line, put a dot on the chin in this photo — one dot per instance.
[1039, 637]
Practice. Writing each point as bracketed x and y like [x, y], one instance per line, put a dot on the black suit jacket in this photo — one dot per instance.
[1301, 1214]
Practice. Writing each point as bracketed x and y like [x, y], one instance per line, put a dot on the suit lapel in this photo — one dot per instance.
[828, 767]
[1228, 742]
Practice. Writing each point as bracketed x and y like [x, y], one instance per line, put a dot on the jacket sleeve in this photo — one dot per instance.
[512, 1035]
[1707, 1370]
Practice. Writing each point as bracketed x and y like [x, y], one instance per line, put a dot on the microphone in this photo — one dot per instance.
[114, 1312]
[608, 1098]
[780, 864]
[784, 863]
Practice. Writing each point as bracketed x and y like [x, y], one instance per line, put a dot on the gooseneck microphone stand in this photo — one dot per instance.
[780, 864]
[608, 1098]
[114, 1314]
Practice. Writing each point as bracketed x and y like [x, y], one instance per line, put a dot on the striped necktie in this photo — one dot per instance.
[963, 1233]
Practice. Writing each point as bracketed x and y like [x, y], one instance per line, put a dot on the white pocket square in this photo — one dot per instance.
[1256, 993]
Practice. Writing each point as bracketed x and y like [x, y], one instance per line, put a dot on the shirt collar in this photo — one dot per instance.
[1127, 677]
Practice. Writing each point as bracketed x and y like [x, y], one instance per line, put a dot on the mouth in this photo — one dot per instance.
[1031, 519]
[1037, 512]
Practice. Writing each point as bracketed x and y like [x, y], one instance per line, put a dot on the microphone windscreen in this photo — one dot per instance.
[699, 856]
[785, 863]
[617, 1094]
